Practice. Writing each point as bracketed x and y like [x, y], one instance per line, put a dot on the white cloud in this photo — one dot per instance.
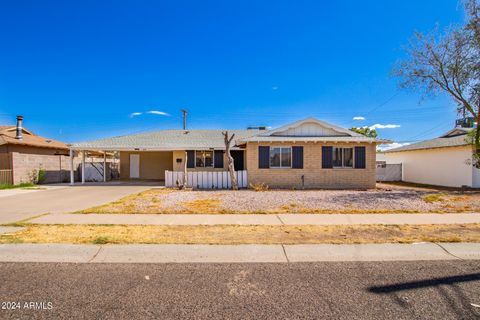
[134, 114]
[385, 147]
[384, 126]
[359, 118]
[160, 113]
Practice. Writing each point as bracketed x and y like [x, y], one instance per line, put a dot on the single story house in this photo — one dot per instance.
[443, 161]
[23, 154]
[305, 154]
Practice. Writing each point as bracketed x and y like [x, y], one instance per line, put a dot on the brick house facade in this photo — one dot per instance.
[305, 154]
[23, 154]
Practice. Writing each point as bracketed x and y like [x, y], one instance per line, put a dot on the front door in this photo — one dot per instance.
[135, 166]
[237, 156]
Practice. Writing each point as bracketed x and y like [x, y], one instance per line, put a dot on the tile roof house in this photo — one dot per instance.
[22, 153]
[443, 161]
[305, 154]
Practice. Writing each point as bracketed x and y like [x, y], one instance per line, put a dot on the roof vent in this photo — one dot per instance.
[18, 134]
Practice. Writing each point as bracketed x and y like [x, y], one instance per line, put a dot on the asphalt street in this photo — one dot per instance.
[325, 290]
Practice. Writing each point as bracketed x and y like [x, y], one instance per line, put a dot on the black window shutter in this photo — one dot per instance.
[263, 157]
[297, 157]
[327, 157]
[218, 159]
[360, 162]
[190, 159]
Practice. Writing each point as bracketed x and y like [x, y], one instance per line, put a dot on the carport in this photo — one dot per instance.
[134, 164]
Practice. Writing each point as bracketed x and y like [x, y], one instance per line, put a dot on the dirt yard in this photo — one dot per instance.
[387, 199]
[230, 234]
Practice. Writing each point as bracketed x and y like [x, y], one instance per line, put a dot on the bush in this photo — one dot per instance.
[259, 186]
[41, 175]
[101, 240]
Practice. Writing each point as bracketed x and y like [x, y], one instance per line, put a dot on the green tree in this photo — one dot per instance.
[447, 62]
[366, 131]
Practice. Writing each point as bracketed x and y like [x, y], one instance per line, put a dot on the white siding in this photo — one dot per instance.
[309, 129]
[443, 166]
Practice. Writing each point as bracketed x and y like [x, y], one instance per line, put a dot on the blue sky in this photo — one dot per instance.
[78, 70]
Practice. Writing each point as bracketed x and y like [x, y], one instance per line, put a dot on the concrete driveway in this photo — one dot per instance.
[58, 199]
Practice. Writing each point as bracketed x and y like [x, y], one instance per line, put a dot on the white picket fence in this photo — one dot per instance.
[206, 179]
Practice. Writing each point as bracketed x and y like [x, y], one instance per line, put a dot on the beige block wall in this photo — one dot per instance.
[315, 176]
[441, 166]
[25, 160]
[152, 164]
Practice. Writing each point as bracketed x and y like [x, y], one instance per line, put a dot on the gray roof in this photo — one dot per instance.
[165, 140]
[213, 139]
[453, 138]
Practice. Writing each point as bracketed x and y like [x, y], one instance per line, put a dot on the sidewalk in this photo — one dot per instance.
[235, 253]
[257, 219]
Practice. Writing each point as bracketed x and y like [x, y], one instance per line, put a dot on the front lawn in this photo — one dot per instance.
[233, 234]
[172, 201]
[15, 186]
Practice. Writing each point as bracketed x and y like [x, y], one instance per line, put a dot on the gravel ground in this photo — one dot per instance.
[380, 200]
[249, 200]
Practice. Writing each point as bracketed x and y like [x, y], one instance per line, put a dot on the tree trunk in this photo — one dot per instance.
[185, 176]
[231, 166]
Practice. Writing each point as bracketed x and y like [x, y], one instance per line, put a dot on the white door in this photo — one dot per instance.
[134, 166]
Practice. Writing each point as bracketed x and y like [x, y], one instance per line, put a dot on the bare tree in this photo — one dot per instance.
[185, 175]
[231, 166]
[448, 63]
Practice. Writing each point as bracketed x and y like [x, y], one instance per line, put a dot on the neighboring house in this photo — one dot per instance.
[305, 154]
[23, 154]
[443, 161]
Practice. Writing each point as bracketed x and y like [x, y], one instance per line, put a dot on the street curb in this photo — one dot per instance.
[172, 253]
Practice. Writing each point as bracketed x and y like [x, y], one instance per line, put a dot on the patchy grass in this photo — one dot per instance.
[201, 206]
[16, 186]
[436, 197]
[143, 202]
[234, 234]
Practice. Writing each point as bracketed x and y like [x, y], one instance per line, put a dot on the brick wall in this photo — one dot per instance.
[25, 160]
[314, 175]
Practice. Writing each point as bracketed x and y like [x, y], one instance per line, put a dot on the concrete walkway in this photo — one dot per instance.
[235, 253]
[257, 219]
[20, 206]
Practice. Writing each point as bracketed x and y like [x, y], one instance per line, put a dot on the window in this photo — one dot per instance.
[203, 159]
[281, 157]
[342, 157]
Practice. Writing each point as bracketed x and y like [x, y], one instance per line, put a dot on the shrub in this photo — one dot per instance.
[259, 186]
[433, 198]
[101, 240]
[33, 176]
[41, 175]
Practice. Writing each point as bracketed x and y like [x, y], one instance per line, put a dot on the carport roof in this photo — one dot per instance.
[165, 140]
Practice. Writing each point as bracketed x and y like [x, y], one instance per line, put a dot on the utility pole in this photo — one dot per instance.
[184, 119]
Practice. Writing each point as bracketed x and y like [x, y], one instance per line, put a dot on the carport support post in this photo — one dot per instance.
[72, 178]
[104, 166]
[83, 166]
